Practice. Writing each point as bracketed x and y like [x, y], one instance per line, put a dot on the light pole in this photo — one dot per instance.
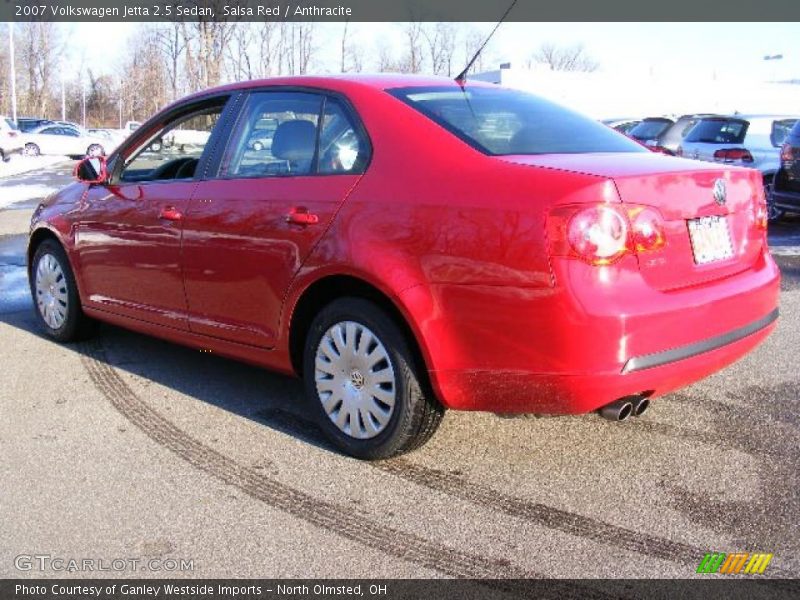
[13, 72]
[773, 57]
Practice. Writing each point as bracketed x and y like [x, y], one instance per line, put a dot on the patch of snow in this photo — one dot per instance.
[10, 194]
[23, 164]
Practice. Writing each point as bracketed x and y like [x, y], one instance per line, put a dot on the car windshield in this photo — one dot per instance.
[499, 121]
[718, 131]
[650, 129]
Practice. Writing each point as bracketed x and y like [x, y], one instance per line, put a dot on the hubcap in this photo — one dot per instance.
[51, 291]
[355, 380]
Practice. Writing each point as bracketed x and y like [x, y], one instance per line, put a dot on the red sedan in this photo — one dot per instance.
[412, 244]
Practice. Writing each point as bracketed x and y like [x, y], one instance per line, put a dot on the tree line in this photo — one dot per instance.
[165, 61]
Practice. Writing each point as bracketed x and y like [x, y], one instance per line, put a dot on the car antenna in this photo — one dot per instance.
[461, 78]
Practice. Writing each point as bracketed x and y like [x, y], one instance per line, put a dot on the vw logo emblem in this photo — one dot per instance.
[720, 194]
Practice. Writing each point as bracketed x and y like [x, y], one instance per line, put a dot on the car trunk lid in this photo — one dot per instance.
[684, 193]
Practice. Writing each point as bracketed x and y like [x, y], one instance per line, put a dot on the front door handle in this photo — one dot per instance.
[300, 216]
[170, 213]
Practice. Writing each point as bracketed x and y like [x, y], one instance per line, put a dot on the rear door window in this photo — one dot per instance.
[718, 131]
[278, 135]
[780, 130]
[650, 129]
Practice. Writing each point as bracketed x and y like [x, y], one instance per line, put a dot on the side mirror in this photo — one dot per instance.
[91, 170]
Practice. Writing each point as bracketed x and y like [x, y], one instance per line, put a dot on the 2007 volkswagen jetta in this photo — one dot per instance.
[412, 244]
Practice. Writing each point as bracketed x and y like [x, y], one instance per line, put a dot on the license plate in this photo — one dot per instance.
[711, 239]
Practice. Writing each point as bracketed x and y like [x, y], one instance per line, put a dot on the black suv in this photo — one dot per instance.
[785, 194]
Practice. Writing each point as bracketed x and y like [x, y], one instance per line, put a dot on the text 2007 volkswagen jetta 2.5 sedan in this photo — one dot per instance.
[411, 244]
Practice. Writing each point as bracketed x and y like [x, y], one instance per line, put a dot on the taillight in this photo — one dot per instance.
[602, 234]
[786, 152]
[730, 154]
[647, 229]
[662, 150]
[760, 212]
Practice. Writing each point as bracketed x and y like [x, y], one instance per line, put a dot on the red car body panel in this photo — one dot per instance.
[455, 239]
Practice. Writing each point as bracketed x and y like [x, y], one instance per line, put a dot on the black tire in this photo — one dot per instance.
[3, 156]
[774, 214]
[31, 149]
[76, 325]
[416, 413]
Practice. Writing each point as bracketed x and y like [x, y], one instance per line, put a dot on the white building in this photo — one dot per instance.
[601, 95]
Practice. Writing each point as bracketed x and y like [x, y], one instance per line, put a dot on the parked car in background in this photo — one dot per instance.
[785, 196]
[744, 140]
[621, 125]
[114, 136]
[26, 124]
[669, 139]
[63, 141]
[362, 255]
[650, 128]
[10, 139]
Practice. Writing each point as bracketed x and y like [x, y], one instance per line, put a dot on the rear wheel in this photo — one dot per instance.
[32, 149]
[773, 212]
[371, 398]
[55, 295]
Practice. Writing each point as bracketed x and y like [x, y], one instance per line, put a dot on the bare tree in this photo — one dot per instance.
[441, 42]
[473, 40]
[39, 48]
[566, 58]
[298, 46]
[173, 47]
[412, 62]
[206, 41]
[240, 57]
[144, 77]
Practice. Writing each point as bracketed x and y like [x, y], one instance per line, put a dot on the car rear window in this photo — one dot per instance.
[780, 131]
[650, 129]
[499, 121]
[718, 131]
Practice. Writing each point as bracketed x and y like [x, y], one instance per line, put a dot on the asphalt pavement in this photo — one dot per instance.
[127, 447]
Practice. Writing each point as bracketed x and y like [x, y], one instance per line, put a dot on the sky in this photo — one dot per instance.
[696, 50]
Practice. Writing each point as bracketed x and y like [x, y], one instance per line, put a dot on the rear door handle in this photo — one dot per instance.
[300, 216]
[170, 213]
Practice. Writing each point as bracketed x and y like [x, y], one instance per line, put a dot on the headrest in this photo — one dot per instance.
[294, 140]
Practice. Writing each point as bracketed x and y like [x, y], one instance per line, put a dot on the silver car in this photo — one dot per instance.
[746, 140]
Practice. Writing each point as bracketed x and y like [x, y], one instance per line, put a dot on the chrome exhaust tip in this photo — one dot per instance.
[640, 405]
[619, 410]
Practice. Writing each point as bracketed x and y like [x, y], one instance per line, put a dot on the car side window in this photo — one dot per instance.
[342, 147]
[174, 152]
[276, 135]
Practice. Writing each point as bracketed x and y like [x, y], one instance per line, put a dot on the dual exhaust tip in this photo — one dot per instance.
[622, 409]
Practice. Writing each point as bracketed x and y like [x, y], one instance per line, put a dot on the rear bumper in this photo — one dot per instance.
[573, 351]
[666, 357]
[786, 200]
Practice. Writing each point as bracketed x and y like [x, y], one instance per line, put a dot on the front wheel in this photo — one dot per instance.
[55, 295]
[370, 393]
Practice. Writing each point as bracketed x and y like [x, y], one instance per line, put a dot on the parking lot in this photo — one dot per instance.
[130, 447]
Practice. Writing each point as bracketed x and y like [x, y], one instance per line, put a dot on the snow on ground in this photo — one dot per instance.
[11, 194]
[23, 164]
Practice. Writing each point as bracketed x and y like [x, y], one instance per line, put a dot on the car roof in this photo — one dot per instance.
[342, 82]
[53, 125]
